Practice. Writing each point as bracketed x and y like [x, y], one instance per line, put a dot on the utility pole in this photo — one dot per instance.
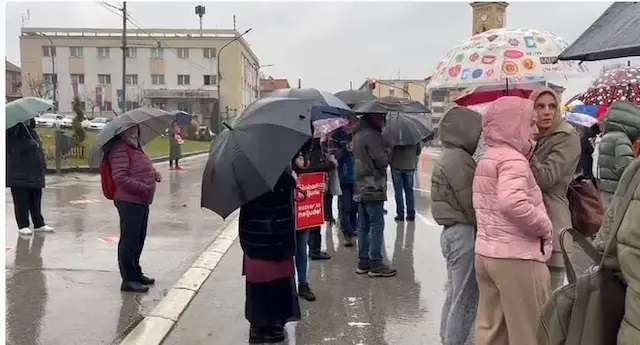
[124, 57]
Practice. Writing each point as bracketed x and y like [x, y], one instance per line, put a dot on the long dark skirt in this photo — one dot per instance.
[272, 299]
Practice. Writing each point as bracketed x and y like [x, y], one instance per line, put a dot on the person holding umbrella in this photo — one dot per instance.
[25, 176]
[371, 162]
[175, 142]
[135, 180]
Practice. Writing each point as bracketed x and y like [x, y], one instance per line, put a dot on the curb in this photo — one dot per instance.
[156, 326]
[87, 169]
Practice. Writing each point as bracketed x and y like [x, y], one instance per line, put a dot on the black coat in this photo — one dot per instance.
[267, 228]
[25, 158]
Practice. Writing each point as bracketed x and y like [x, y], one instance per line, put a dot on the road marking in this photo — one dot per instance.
[109, 239]
[84, 201]
[155, 327]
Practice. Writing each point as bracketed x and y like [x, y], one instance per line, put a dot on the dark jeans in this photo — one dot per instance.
[27, 201]
[302, 261]
[370, 231]
[315, 240]
[328, 207]
[171, 162]
[403, 183]
[133, 231]
[348, 210]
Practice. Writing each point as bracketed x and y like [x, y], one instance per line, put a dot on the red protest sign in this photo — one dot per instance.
[310, 211]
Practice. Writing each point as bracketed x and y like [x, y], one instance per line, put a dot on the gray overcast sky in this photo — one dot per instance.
[327, 44]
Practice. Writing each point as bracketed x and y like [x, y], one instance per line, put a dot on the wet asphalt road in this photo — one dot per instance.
[63, 288]
[350, 309]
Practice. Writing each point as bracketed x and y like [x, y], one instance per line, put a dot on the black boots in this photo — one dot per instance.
[144, 280]
[269, 335]
[131, 286]
[305, 292]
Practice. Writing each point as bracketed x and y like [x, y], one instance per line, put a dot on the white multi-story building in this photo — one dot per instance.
[165, 68]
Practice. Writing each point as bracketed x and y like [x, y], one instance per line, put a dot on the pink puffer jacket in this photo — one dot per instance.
[512, 220]
[133, 174]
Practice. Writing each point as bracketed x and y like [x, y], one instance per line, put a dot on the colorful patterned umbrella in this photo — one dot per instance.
[620, 84]
[502, 56]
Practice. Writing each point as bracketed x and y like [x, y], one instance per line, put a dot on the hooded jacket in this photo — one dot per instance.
[554, 162]
[25, 158]
[511, 218]
[371, 161]
[452, 177]
[622, 129]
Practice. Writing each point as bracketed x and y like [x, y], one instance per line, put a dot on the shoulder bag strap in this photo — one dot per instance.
[621, 209]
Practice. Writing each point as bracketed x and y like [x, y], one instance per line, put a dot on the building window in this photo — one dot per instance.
[209, 53]
[210, 79]
[76, 52]
[131, 79]
[184, 106]
[184, 79]
[157, 79]
[107, 106]
[157, 53]
[104, 79]
[50, 78]
[132, 53]
[132, 105]
[183, 53]
[49, 51]
[77, 79]
[159, 105]
[392, 92]
[104, 52]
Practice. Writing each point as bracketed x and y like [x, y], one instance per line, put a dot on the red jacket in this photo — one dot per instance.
[133, 174]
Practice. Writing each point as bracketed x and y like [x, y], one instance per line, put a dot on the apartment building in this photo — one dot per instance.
[173, 69]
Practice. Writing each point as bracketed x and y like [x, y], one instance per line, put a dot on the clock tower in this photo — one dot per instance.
[488, 15]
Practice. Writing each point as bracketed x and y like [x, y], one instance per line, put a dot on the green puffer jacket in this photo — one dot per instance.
[615, 152]
[452, 178]
[625, 255]
[371, 162]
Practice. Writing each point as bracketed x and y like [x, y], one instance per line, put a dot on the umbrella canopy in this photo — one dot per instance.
[389, 104]
[314, 97]
[183, 118]
[327, 126]
[152, 122]
[615, 34]
[620, 84]
[504, 56]
[406, 129]
[247, 160]
[489, 93]
[24, 109]
[352, 97]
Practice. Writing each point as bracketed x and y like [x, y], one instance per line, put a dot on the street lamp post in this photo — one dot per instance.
[54, 78]
[219, 76]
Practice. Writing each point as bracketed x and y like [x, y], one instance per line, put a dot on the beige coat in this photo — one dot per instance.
[626, 254]
[554, 162]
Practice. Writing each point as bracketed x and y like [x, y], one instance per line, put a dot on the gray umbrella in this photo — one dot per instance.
[352, 97]
[389, 104]
[406, 128]
[247, 160]
[152, 122]
[615, 34]
[315, 97]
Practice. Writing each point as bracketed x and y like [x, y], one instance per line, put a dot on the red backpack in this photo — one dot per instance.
[108, 184]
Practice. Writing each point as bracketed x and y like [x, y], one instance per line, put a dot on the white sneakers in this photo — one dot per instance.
[45, 228]
[25, 231]
[28, 231]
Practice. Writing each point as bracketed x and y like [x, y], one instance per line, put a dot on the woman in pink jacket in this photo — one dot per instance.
[513, 241]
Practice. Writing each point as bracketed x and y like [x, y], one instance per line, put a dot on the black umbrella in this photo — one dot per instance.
[389, 104]
[615, 34]
[246, 160]
[406, 128]
[314, 97]
[152, 123]
[352, 97]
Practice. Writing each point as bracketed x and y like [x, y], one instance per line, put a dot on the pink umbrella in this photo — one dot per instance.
[326, 126]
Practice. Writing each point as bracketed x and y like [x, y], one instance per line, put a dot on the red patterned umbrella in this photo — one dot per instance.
[620, 84]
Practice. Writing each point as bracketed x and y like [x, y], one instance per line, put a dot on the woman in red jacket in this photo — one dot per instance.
[135, 179]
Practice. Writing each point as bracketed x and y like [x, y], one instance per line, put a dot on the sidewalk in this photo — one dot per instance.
[63, 287]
